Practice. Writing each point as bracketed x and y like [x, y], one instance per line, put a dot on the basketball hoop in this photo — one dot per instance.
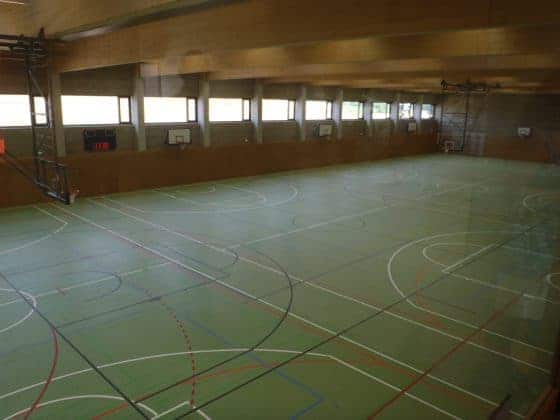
[448, 146]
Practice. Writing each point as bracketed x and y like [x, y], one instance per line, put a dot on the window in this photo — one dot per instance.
[428, 111]
[191, 109]
[14, 111]
[93, 110]
[278, 110]
[318, 110]
[124, 110]
[246, 109]
[162, 110]
[40, 110]
[230, 110]
[381, 111]
[406, 111]
[352, 110]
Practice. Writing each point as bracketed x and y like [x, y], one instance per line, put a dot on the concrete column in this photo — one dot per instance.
[368, 111]
[137, 108]
[418, 114]
[337, 112]
[395, 112]
[55, 113]
[204, 111]
[300, 112]
[256, 111]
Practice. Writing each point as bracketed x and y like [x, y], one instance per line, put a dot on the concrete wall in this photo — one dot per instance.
[126, 139]
[228, 134]
[279, 131]
[354, 129]
[110, 81]
[283, 91]
[171, 86]
[156, 135]
[119, 81]
[492, 127]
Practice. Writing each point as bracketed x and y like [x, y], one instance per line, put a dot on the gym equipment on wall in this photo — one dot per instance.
[100, 140]
[47, 173]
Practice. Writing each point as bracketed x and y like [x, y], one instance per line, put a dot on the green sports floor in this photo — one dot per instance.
[425, 287]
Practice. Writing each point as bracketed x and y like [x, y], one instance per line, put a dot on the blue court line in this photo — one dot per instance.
[319, 398]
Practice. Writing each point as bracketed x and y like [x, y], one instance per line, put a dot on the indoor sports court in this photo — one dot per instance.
[202, 220]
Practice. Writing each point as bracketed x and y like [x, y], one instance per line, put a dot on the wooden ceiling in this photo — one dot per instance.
[398, 44]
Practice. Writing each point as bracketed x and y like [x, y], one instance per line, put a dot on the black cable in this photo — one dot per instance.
[76, 349]
[243, 353]
[345, 330]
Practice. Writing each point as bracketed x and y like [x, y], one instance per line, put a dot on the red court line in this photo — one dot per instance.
[49, 377]
[369, 356]
[527, 355]
[187, 339]
[222, 372]
[446, 356]
[372, 359]
[419, 299]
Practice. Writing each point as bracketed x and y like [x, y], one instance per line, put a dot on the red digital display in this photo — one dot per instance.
[102, 146]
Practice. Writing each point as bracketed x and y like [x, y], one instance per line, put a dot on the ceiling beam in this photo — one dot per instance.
[12, 17]
[302, 72]
[503, 76]
[476, 44]
[254, 24]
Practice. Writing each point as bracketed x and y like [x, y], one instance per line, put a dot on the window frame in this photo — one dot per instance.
[290, 112]
[361, 106]
[195, 119]
[328, 110]
[246, 106]
[111, 124]
[433, 112]
[387, 117]
[129, 111]
[246, 110]
[46, 116]
[187, 120]
[412, 111]
[19, 126]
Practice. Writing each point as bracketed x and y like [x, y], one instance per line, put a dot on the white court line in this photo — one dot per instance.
[135, 243]
[80, 397]
[236, 350]
[460, 322]
[88, 283]
[185, 200]
[533, 252]
[41, 239]
[468, 258]
[261, 197]
[550, 282]
[314, 226]
[295, 193]
[480, 282]
[527, 198]
[161, 227]
[342, 218]
[22, 320]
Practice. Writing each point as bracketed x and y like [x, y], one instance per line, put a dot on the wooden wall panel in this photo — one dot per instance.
[514, 148]
[128, 171]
